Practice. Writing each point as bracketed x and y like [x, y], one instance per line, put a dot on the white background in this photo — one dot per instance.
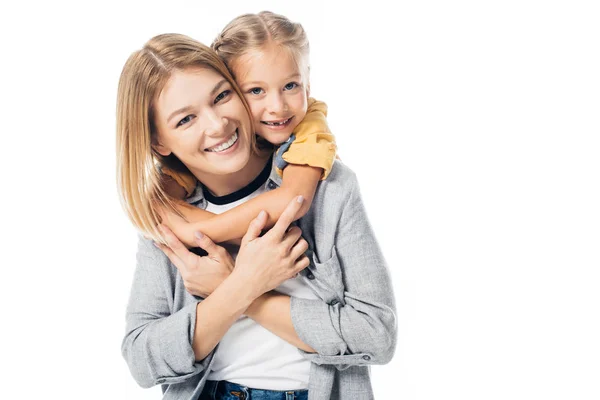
[473, 127]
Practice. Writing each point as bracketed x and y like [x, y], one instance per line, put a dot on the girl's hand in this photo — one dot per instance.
[266, 262]
[201, 275]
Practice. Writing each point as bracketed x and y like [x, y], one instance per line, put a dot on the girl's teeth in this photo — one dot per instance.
[277, 123]
[225, 145]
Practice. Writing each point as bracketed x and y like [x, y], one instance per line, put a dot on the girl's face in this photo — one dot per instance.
[274, 87]
[201, 119]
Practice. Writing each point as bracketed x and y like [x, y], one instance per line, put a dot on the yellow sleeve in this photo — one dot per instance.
[183, 179]
[314, 144]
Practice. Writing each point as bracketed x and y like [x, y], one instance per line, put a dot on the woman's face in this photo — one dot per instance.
[202, 120]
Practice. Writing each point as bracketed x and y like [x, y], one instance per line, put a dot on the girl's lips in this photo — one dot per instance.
[281, 126]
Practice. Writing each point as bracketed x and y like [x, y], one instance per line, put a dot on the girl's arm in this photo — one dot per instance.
[232, 224]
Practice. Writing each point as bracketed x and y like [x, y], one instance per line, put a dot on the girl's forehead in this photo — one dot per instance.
[265, 63]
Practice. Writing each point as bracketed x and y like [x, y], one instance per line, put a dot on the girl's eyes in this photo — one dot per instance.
[222, 95]
[185, 120]
[290, 86]
[256, 91]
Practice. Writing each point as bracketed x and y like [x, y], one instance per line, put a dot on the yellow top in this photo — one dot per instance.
[314, 146]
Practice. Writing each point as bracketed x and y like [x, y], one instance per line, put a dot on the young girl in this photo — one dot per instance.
[268, 56]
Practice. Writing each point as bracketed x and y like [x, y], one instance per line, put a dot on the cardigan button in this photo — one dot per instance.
[366, 357]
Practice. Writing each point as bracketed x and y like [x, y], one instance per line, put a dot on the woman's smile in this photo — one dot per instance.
[225, 147]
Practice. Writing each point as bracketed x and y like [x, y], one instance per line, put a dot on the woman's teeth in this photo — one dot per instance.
[277, 123]
[226, 145]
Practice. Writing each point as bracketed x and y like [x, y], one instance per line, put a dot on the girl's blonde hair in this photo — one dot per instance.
[143, 78]
[250, 32]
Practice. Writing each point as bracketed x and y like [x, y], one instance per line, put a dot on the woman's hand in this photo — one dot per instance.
[266, 262]
[201, 275]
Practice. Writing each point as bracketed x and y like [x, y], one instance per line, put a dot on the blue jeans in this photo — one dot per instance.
[224, 390]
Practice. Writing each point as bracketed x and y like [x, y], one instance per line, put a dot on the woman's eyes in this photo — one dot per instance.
[185, 120]
[188, 118]
[222, 96]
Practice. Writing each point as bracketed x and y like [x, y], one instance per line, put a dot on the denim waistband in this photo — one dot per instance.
[225, 390]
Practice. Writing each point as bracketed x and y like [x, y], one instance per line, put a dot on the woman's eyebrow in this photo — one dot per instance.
[217, 87]
[178, 111]
[188, 108]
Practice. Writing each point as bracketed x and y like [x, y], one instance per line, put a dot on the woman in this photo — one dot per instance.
[339, 312]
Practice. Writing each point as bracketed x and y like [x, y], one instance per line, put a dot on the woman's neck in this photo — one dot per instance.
[222, 185]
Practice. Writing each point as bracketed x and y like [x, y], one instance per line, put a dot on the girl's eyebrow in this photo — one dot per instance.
[297, 75]
[188, 108]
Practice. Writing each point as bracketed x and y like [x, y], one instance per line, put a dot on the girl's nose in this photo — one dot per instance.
[276, 104]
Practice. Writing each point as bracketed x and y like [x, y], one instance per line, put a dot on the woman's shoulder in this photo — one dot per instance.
[341, 178]
[150, 258]
[339, 187]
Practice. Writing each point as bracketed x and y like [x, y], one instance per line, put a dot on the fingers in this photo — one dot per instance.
[287, 217]
[292, 236]
[169, 253]
[255, 227]
[214, 251]
[300, 264]
[206, 243]
[176, 247]
[299, 249]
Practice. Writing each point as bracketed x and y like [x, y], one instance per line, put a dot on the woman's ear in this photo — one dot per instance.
[160, 148]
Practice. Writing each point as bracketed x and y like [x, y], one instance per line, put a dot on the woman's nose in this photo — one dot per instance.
[215, 124]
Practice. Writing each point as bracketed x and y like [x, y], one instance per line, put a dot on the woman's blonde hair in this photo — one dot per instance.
[250, 32]
[143, 78]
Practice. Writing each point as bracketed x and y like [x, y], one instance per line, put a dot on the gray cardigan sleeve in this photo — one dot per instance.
[361, 327]
[158, 340]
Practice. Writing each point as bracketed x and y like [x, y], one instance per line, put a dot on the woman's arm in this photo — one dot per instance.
[358, 324]
[232, 224]
[271, 309]
[202, 276]
[272, 312]
[162, 347]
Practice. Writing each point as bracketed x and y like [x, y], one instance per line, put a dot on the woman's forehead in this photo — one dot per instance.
[187, 86]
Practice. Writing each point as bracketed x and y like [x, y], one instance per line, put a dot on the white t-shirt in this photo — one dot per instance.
[249, 354]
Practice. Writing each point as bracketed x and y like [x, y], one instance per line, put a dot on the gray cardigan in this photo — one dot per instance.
[352, 326]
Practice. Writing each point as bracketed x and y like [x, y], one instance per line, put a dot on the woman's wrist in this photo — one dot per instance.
[244, 288]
